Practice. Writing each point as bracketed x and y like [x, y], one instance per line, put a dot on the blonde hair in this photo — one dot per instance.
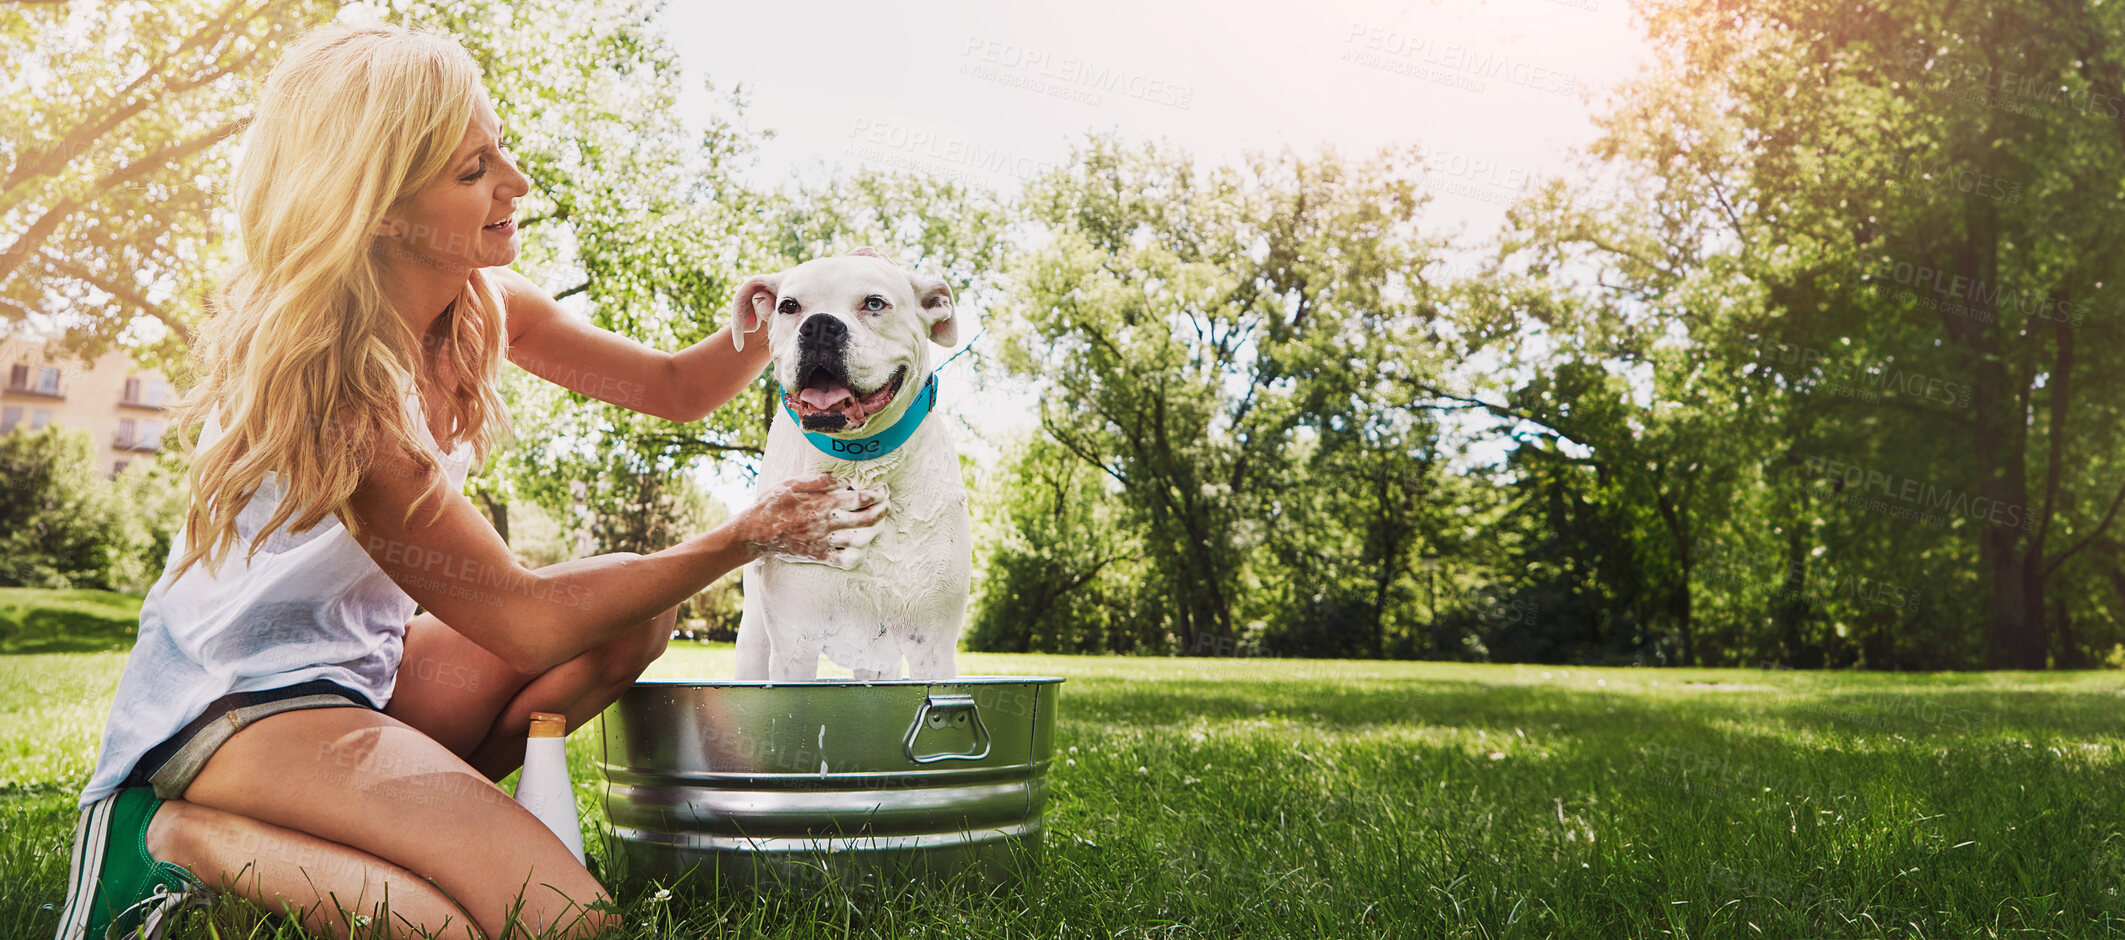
[304, 355]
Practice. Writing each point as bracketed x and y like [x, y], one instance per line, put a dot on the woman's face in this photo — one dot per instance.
[464, 218]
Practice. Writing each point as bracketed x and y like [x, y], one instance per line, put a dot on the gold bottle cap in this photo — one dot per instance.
[549, 725]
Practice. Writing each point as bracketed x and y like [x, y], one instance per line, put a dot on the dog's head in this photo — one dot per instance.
[850, 336]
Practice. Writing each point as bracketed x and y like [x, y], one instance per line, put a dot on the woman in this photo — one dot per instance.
[282, 730]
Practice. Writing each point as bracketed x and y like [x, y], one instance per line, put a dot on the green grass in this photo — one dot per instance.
[1255, 798]
[34, 620]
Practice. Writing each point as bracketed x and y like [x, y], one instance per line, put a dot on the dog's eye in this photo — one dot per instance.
[874, 302]
[788, 305]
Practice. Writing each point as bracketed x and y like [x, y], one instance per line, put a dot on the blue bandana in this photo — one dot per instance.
[879, 444]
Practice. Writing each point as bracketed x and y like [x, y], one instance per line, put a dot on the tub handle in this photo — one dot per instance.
[945, 711]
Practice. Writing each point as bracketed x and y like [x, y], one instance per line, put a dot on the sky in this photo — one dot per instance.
[995, 92]
[1495, 94]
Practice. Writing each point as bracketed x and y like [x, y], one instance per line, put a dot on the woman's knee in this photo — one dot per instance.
[628, 654]
[662, 626]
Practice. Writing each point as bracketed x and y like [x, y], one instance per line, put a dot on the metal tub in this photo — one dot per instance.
[730, 783]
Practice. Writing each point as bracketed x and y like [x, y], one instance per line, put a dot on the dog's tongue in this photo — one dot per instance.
[824, 398]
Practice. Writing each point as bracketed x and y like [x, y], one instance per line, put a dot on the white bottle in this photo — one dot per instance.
[543, 787]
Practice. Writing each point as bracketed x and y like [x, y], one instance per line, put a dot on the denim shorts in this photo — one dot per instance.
[170, 766]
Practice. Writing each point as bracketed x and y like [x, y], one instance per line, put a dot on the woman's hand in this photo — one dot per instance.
[815, 518]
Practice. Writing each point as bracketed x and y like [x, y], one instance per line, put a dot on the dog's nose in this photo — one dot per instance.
[822, 328]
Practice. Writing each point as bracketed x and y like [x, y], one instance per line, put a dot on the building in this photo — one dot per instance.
[117, 402]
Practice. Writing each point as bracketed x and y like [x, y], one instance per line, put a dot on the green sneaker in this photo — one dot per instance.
[114, 888]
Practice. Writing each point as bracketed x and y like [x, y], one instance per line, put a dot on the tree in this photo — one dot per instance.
[1188, 329]
[1850, 258]
[112, 162]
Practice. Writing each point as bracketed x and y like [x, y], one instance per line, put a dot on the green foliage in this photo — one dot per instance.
[1223, 346]
[924, 222]
[1059, 571]
[1847, 277]
[64, 525]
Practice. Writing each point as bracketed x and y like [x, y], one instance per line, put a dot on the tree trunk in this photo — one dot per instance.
[1678, 525]
[1385, 517]
[2014, 638]
[2035, 566]
[499, 513]
[1789, 607]
[2065, 647]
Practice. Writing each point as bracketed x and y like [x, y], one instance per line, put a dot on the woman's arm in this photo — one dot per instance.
[455, 565]
[568, 351]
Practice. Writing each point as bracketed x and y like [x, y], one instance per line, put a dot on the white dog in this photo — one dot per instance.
[852, 339]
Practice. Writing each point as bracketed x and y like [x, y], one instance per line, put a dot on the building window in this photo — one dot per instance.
[45, 382]
[126, 431]
[9, 417]
[142, 392]
[150, 435]
[118, 468]
[39, 419]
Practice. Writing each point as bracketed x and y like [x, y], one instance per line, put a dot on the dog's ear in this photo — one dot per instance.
[752, 306]
[935, 296]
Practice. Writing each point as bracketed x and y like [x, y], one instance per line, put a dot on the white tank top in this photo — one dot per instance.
[307, 606]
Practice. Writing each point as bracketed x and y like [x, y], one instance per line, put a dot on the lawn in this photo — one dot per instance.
[35, 620]
[1302, 798]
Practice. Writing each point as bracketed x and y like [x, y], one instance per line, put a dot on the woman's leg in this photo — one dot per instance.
[477, 706]
[471, 702]
[380, 789]
[296, 873]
